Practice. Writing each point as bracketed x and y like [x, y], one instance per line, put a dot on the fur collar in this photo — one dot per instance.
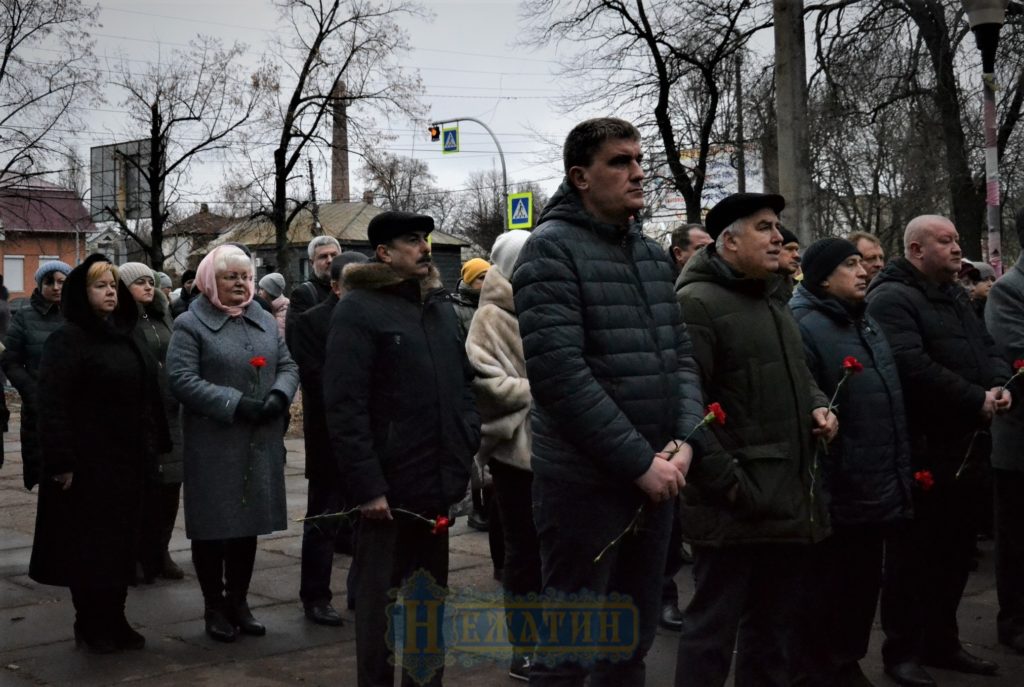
[374, 276]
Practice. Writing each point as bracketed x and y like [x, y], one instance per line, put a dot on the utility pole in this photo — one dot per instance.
[791, 103]
[741, 153]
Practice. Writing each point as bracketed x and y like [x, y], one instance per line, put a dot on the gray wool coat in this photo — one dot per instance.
[1004, 317]
[208, 366]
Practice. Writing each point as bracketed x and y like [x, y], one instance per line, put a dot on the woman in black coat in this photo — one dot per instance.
[101, 426]
[866, 470]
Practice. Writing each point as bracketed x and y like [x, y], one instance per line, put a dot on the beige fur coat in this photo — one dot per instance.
[502, 390]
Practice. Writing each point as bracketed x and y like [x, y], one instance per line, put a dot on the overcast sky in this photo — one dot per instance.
[465, 57]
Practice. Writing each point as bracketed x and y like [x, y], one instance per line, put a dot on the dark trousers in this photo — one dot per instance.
[159, 512]
[387, 552]
[574, 523]
[745, 596]
[1009, 529]
[844, 577]
[319, 540]
[223, 565]
[521, 566]
[926, 567]
[673, 561]
[99, 611]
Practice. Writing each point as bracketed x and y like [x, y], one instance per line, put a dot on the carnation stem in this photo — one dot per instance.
[631, 527]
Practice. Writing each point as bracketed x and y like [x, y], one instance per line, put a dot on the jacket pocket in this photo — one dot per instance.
[768, 486]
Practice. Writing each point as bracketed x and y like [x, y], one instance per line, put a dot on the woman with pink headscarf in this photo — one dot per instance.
[235, 379]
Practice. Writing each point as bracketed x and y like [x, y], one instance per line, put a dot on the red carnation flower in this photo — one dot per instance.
[852, 365]
[258, 361]
[1018, 364]
[924, 479]
[716, 410]
[441, 525]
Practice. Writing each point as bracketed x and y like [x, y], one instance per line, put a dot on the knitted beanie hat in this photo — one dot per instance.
[164, 279]
[273, 284]
[823, 256]
[49, 267]
[506, 249]
[473, 269]
[130, 271]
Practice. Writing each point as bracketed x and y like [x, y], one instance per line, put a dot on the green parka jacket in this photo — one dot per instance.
[751, 360]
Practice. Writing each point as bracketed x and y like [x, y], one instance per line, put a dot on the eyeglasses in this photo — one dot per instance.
[234, 277]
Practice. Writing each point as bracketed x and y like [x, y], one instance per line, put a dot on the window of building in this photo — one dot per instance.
[14, 273]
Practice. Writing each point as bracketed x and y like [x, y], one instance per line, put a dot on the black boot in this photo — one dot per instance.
[125, 637]
[218, 626]
[240, 615]
[92, 641]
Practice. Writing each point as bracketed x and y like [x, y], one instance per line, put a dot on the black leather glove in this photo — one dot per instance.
[249, 409]
[274, 406]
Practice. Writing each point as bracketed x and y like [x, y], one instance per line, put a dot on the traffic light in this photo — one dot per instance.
[435, 132]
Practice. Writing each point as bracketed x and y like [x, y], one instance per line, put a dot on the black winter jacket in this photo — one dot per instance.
[29, 329]
[397, 395]
[308, 348]
[946, 362]
[608, 357]
[867, 468]
[303, 297]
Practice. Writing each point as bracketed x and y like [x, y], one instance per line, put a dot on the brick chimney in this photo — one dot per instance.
[368, 196]
[339, 147]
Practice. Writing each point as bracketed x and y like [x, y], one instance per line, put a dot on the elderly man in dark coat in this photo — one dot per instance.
[326, 493]
[952, 380]
[753, 504]
[615, 394]
[402, 425]
[1004, 314]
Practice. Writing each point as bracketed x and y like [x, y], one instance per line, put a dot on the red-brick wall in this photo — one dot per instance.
[30, 246]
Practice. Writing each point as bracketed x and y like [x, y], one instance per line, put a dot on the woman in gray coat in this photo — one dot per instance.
[235, 379]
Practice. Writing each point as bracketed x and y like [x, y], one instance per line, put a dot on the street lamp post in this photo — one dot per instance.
[501, 154]
[986, 18]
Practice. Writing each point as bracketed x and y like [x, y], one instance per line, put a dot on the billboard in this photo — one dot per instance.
[118, 183]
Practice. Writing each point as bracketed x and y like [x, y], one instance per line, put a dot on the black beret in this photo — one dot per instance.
[187, 275]
[388, 225]
[822, 257]
[788, 236]
[738, 206]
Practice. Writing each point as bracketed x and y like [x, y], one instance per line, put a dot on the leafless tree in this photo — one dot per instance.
[483, 207]
[197, 103]
[399, 182]
[328, 51]
[39, 96]
[904, 74]
[660, 63]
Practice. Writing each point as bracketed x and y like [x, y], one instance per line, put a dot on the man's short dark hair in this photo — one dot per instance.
[681, 235]
[586, 138]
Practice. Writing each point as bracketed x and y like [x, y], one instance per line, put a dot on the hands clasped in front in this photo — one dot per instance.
[997, 401]
[257, 412]
[667, 472]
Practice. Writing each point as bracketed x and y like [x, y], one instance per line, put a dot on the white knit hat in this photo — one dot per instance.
[130, 271]
[506, 249]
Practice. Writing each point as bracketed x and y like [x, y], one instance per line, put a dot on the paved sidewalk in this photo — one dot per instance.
[36, 646]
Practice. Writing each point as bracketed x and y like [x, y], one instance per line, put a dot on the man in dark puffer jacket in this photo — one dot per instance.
[951, 376]
[614, 384]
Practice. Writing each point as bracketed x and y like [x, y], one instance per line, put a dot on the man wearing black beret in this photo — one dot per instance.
[402, 424]
[753, 502]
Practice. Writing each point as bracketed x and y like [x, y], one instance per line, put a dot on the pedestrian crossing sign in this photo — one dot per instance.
[450, 140]
[520, 210]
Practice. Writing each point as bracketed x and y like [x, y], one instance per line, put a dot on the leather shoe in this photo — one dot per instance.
[909, 673]
[671, 618]
[324, 614]
[218, 626]
[963, 662]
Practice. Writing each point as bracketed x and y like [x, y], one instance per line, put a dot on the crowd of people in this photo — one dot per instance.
[825, 430]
